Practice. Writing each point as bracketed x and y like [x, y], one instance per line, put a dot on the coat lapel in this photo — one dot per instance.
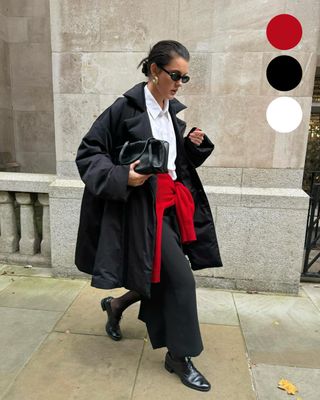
[179, 128]
[138, 127]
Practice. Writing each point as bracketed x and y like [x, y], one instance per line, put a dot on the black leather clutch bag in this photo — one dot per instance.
[152, 153]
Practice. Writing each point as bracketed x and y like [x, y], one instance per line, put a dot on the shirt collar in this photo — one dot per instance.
[153, 106]
[137, 95]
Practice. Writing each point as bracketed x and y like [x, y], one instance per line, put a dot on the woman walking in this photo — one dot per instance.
[136, 230]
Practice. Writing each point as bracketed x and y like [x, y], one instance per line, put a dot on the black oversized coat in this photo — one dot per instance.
[116, 235]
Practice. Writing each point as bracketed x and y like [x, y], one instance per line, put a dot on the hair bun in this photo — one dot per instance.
[145, 67]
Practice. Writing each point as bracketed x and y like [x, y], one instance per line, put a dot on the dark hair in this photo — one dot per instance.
[162, 53]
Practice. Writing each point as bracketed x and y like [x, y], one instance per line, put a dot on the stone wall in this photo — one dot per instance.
[29, 56]
[97, 44]
[7, 147]
[318, 52]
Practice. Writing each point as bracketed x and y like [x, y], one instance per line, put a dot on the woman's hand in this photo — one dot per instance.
[196, 136]
[136, 179]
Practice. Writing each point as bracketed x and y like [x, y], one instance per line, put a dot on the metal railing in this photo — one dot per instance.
[312, 237]
[316, 90]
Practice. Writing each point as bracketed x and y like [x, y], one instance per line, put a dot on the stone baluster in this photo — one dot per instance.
[43, 199]
[29, 242]
[9, 238]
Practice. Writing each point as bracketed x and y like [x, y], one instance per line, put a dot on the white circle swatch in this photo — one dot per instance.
[284, 114]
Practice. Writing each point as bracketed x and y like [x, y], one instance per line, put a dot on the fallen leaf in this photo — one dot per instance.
[288, 386]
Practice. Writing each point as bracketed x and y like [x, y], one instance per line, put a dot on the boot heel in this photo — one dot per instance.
[103, 306]
[168, 368]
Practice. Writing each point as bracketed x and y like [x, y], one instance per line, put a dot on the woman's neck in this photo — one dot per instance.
[155, 93]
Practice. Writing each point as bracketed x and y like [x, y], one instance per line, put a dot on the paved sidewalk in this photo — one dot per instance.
[53, 345]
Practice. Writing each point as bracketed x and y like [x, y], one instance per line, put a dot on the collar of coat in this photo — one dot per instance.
[136, 94]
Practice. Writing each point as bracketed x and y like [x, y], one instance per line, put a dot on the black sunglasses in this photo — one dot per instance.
[176, 76]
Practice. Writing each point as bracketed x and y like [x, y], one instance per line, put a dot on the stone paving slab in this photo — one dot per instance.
[21, 333]
[280, 330]
[41, 293]
[86, 316]
[23, 271]
[266, 378]
[302, 292]
[2, 267]
[5, 281]
[313, 291]
[82, 367]
[223, 362]
[281, 334]
[216, 307]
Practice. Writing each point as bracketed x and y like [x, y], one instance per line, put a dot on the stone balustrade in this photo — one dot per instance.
[24, 219]
[260, 229]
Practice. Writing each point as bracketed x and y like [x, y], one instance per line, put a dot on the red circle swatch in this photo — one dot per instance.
[284, 31]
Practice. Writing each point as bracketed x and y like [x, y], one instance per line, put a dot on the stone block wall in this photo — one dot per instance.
[7, 146]
[97, 44]
[28, 49]
[260, 234]
[318, 52]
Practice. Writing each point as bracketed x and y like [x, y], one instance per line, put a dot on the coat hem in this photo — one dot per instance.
[198, 267]
[104, 285]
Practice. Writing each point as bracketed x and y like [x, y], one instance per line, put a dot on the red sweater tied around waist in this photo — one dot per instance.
[169, 193]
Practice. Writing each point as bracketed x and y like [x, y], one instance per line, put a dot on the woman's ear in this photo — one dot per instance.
[154, 69]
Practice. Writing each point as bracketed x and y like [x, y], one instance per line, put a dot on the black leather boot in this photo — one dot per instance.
[187, 372]
[112, 325]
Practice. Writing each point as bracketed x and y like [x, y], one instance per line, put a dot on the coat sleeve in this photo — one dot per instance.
[100, 175]
[198, 154]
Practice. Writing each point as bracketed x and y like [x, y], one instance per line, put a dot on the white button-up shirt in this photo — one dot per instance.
[162, 127]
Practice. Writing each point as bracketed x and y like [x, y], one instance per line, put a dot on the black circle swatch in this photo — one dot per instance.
[284, 73]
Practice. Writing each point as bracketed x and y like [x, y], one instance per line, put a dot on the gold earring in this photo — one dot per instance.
[155, 80]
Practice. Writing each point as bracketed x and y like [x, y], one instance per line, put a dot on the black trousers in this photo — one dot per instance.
[171, 314]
